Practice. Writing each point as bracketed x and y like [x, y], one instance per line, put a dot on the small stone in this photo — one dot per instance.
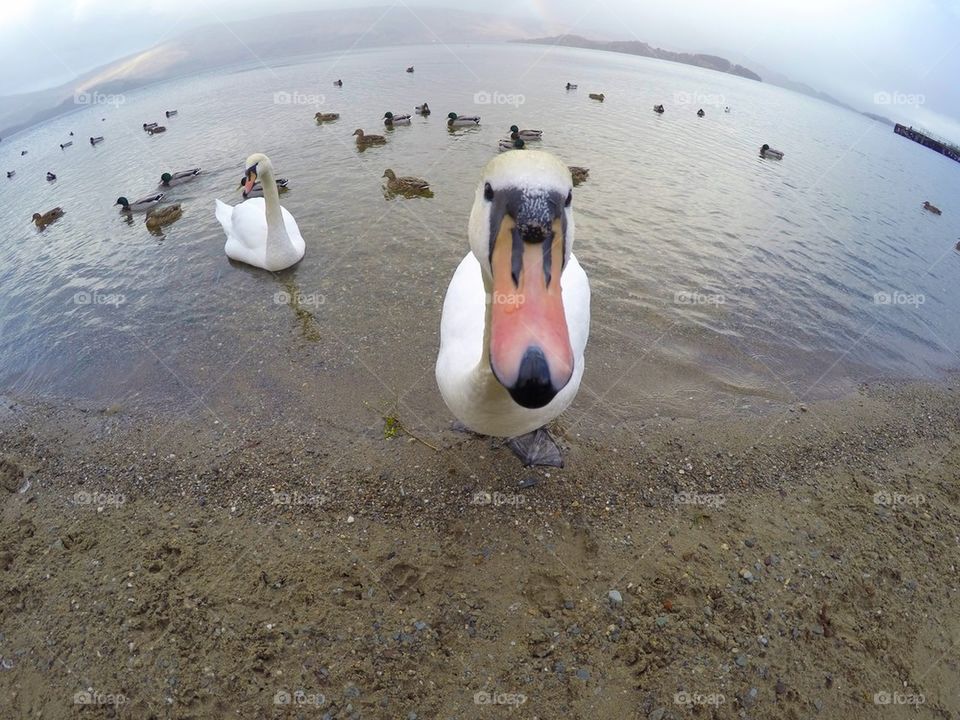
[750, 542]
[351, 520]
[780, 688]
[583, 674]
[529, 482]
[657, 714]
[763, 640]
[818, 704]
[741, 661]
[746, 575]
[615, 598]
[420, 625]
[662, 621]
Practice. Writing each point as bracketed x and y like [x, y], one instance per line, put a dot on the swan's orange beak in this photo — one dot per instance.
[530, 351]
[251, 179]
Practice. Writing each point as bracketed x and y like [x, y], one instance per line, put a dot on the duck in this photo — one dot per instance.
[410, 69]
[365, 141]
[932, 208]
[769, 153]
[11, 173]
[160, 216]
[156, 129]
[390, 120]
[41, 221]
[144, 203]
[171, 113]
[260, 232]
[598, 96]
[257, 189]
[67, 144]
[405, 185]
[571, 86]
[700, 112]
[147, 126]
[23, 152]
[579, 174]
[326, 117]
[178, 178]
[338, 83]
[511, 143]
[454, 120]
[422, 109]
[658, 109]
[527, 135]
[516, 315]
[95, 140]
[726, 109]
[50, 176]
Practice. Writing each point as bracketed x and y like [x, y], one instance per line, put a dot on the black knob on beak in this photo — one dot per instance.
[533, 388]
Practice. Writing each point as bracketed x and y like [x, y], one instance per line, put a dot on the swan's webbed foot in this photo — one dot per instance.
[537, 448]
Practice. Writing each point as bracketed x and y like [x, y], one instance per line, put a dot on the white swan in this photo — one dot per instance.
[516, 316]
[259, 231]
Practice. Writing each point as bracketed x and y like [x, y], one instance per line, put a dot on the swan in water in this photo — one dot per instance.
[517, 312]
[259, 231]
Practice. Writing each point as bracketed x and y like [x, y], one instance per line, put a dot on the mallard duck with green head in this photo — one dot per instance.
[178, 178]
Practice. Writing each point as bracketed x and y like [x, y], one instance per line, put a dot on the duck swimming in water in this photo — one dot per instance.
[338, 83]
[658, 109]
[511, 143]
[365, 141]
[422, 109]
[931, 208]
[769, 153]
[526, 135]
[405, 185]
[390, 120]
[454, 120]
[598, 96]
[700, 112]
[95, 140]
[571, 86]
[41, 221]
[516, 315]
[51, 177]
[178, 178]
[144, 203]
[326, 117]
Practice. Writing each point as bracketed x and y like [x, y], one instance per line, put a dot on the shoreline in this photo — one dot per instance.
[782, 566]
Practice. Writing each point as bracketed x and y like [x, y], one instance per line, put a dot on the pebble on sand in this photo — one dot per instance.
[615, 598]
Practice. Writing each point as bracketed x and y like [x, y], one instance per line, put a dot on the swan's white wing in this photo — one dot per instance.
[461, 324]
[293, 232]
[246, 228]
[576, 306]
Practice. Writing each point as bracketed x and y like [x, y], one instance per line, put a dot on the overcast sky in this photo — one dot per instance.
[851, 49]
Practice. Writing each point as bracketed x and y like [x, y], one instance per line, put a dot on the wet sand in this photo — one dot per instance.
[794, 564]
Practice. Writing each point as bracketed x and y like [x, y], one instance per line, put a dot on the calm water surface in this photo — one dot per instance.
[721, 281]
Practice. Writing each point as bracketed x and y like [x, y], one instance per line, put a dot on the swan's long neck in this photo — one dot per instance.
[277, 238]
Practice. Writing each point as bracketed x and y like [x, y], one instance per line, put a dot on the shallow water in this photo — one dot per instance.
[720, 280]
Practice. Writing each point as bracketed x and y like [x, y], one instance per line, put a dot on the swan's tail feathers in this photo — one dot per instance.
[225, 215]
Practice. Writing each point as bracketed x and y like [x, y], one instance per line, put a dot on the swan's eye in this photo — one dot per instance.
[488, 192]
[569, 199]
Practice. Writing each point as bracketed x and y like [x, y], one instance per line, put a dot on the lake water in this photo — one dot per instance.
[720, 281]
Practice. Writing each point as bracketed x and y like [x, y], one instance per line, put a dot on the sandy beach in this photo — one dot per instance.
[797, 563]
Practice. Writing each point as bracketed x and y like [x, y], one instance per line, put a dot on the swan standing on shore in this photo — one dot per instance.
[517, 312]
[259, 231]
